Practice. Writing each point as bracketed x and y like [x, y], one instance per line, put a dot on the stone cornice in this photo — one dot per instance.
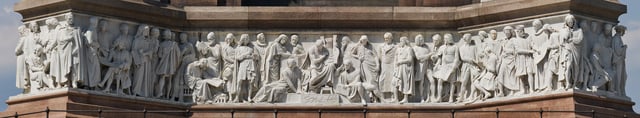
[305, 17]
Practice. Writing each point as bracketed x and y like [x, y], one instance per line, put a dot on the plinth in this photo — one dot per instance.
[84, 103]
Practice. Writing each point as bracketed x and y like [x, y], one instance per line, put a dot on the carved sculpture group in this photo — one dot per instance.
[156, 63]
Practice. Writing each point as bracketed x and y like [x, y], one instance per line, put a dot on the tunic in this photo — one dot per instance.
[404, 71]
[386, 73]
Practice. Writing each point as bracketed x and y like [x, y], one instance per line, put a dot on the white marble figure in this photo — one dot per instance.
[422, 53]
[245, 83]
[508, 84]
[142, 53]
[91, 70]
[168, 64]
[205, 81]
[469, 67]
[119, 62]
[619, 59]
[524, 66]
[540, 43]
[22, 70]
[347, 46]
[229, 65]
[210, 50]
[274, 55]
[350, 84]
[386, 55]
[367, 56]
[602, 57]
[260, 47]
[62, 45]
[298, 53]
[321, 69]
[404, 69]
[188, 55]
[38, 79]
[276, 90]
[435, 94]
[447, 70]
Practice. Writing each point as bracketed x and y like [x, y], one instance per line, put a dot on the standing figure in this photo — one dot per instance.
[63, 44]
[169, 54]
[387, 53]
[524, 68]
[229, 65]
[188, 55]
[539, 44]
[469, 69]
[422, 53]
[246, 83]
[104, 38]
[567, 53]
[367, 56]
[298, 53]
[435, 60]
[119, 63]
[506, 75]
[274, 55]
[142, 52]
[91, 56]
[619, 59]
[346, 48]
[210, 50]
[260, 47]
[22, 70]
[404, 70]
[447, 68]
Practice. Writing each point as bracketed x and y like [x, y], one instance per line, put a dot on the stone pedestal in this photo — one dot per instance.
[83, 103]
[86, 103]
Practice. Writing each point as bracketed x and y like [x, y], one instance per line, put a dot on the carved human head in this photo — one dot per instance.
[202, 63]
[388, 37]
[404, 41]
[93, 22]
[22, 30]
[69, 18]
[508, 32]
[211, 36]
[124, 29]
[595, 27]
[537, 24]
[282, 39]
[364, 40]
[608, 29]
[346, 40]
[143, 31]
[260, 37]
[319, 44]
[520, 31]
[466, 38]
[584, 25]
[493, 34]
[348, 64]
[419, 40]
[483, 34]
[244, 39]
[620, 30]
[569, 21]
[33, 26]
[437, 39]
[37, 50]
[184, 38]
[103, 24]
[294, 40]
[230, 39]
[155, 33]
[448, 39]
[51, 23]
[166, 34]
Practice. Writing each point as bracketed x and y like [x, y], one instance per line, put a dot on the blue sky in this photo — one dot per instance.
[10, 20]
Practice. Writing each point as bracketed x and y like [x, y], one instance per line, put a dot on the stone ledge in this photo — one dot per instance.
[323, 16]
